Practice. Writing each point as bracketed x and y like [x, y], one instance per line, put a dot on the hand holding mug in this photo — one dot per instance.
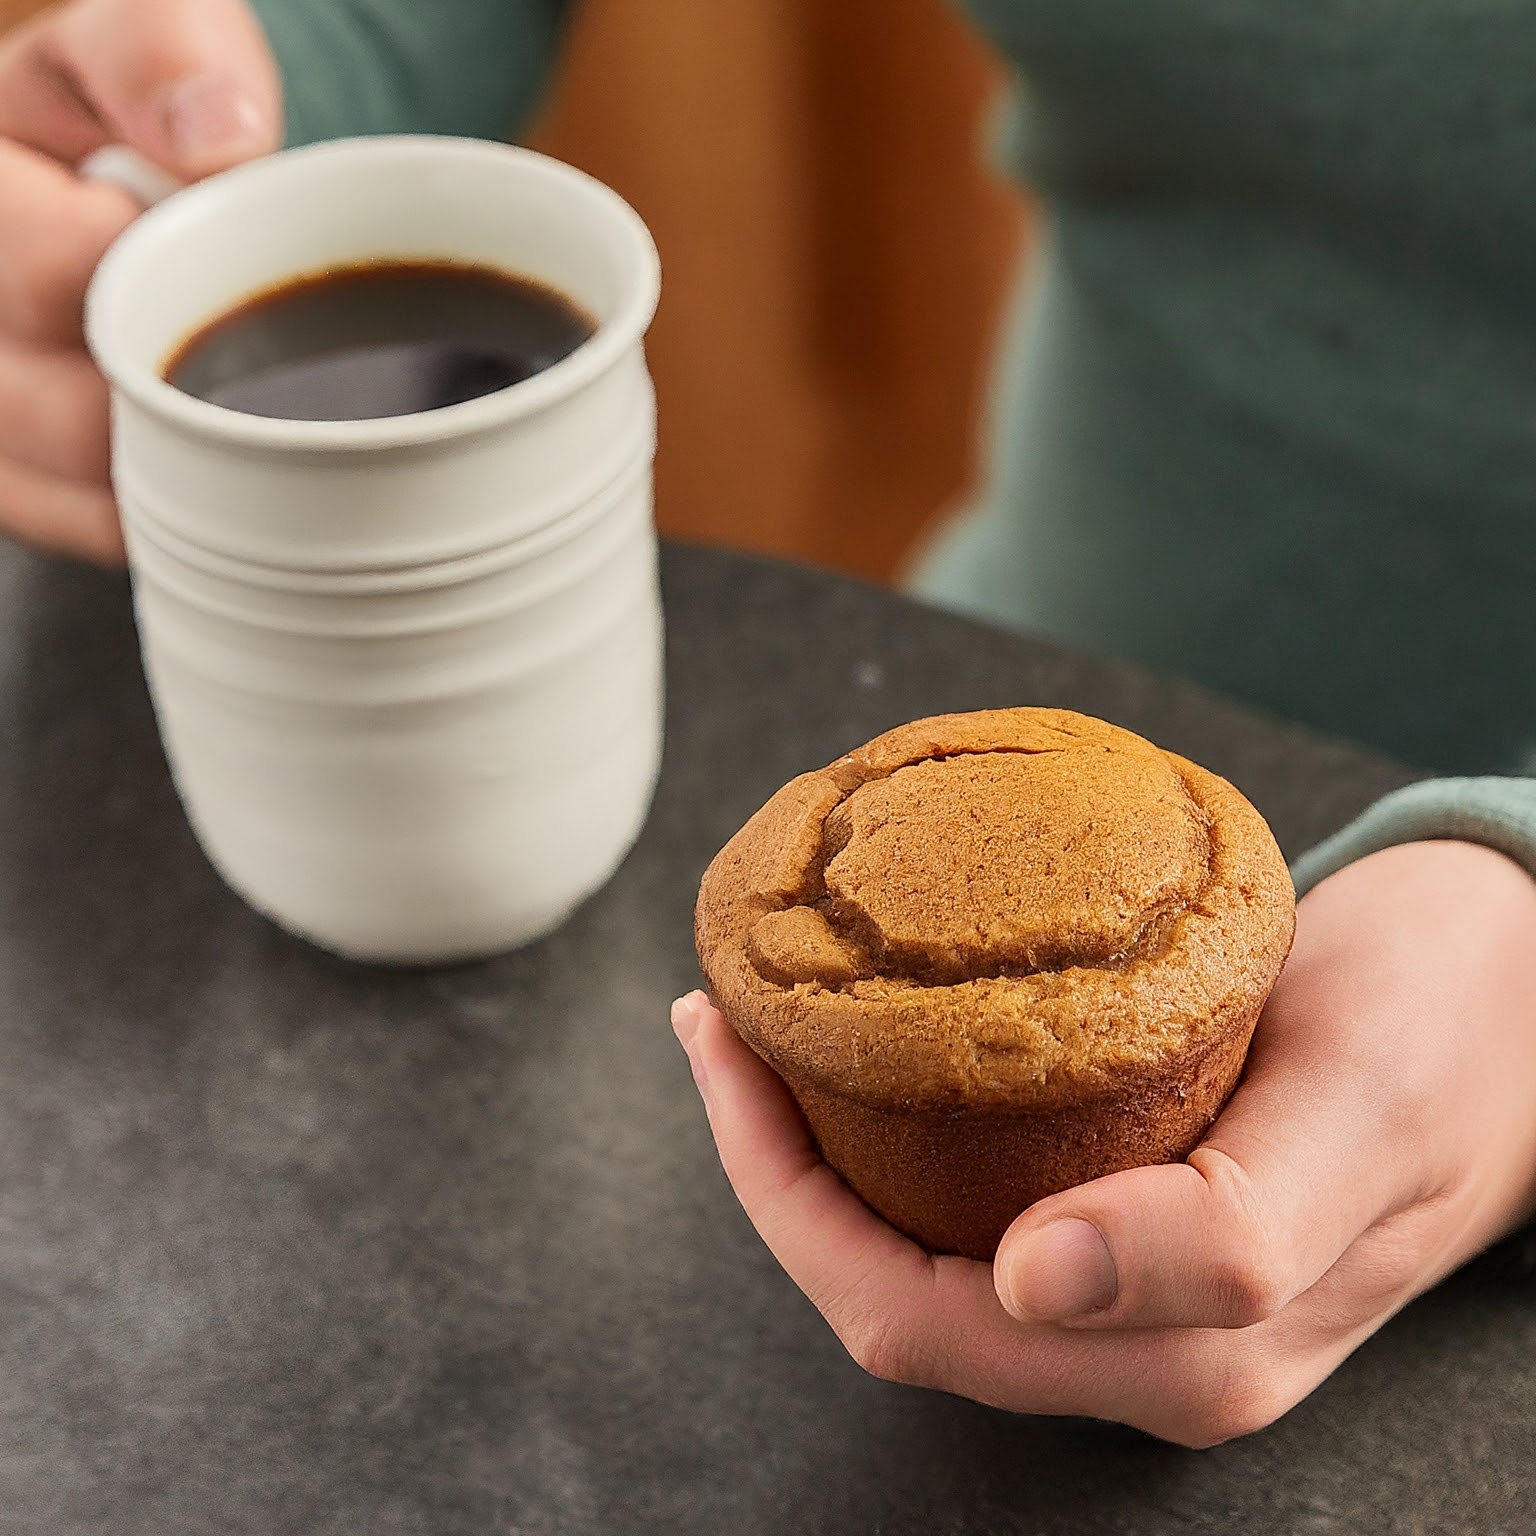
[191, 86]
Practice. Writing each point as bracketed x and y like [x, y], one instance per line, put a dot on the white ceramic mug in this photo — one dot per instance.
[407, 671]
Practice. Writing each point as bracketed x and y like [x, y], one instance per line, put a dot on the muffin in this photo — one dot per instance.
[995, 955]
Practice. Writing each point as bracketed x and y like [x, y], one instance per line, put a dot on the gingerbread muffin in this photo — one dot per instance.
[995, 955]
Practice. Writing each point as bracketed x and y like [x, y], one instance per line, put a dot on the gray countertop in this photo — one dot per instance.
[288, 1245]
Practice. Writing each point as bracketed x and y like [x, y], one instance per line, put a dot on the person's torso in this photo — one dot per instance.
[1278, 403]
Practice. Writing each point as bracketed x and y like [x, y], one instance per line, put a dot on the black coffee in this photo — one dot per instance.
[379, 339]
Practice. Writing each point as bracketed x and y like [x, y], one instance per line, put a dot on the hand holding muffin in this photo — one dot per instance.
[1384, 1132]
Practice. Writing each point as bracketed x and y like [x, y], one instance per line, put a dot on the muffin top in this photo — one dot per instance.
[1001, 910]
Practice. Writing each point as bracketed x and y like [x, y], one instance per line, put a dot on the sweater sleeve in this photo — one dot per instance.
[1500, 813]
[472, 67]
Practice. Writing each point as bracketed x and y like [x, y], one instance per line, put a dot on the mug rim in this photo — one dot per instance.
[144, 386]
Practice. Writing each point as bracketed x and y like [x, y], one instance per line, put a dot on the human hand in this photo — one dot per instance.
[189, 84]
[1384, 1132]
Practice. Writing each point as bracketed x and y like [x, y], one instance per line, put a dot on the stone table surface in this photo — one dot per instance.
[289, 1245]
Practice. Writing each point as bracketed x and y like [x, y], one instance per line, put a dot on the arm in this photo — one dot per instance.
[472, 67]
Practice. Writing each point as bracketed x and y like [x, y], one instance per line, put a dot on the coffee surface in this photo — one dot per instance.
[379, 339]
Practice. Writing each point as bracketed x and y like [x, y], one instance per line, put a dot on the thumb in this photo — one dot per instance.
[1193, 1245]
[190, 84]
[1257, 1215]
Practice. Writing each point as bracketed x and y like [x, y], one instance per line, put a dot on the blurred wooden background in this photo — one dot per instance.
[834, 255]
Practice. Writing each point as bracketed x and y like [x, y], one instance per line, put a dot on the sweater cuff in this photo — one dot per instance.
[1499, 813]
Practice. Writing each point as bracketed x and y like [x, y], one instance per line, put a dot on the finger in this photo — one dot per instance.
[59, 515]
[191, 84]
[938, 1322]
[825, 1237]
[1256, 1216]
[53, 412]
[53, 231]
[899, 1312]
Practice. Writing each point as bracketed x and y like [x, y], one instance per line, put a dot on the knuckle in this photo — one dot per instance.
[879, 1323]
[1249, 1288]
[1227, 1405]
[874, 1346]
[883, 1347]
[1247, 1274]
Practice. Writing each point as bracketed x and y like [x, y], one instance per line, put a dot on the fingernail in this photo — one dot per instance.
[210, 117]
[1062, 1271]
[685, 1018]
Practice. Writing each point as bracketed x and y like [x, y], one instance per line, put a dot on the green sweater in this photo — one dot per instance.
[1268, 414]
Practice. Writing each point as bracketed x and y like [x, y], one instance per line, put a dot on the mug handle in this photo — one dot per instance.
[141, 179]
